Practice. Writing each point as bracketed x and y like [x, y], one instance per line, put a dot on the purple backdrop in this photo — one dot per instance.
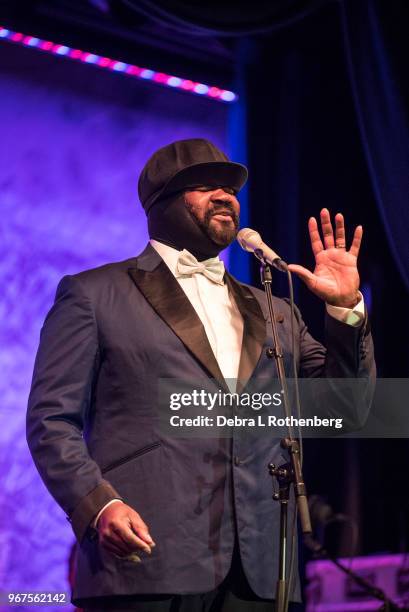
[73, 140]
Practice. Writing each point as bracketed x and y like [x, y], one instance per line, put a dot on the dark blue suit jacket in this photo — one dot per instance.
[94, 434]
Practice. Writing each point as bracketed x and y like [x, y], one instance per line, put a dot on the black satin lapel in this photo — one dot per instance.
[254, 332]
[168, 299]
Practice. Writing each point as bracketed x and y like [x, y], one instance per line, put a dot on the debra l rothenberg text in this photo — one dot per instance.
[260, 421]
[209, 401]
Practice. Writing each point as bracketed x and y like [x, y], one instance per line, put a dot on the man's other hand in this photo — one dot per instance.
[122, 532]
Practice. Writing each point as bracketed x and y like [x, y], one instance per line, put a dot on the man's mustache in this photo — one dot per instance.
[225, 207]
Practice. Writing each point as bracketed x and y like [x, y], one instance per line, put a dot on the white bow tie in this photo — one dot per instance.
[212, 268]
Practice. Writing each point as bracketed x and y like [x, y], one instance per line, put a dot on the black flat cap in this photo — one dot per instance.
[184, 164]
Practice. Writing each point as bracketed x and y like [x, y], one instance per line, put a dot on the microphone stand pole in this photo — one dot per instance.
[290, 473]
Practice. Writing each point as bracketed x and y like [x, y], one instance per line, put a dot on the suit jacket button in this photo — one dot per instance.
[237, 461]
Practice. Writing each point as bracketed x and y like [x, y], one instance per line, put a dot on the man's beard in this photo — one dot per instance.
[172, 222]
[220, 233]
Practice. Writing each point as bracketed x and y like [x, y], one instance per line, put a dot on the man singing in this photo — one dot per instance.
[168, 524]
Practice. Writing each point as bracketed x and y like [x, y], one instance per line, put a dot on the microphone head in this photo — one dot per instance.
[248, 239]
[251, 241]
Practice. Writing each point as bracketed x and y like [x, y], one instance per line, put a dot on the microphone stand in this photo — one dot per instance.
[289, 473]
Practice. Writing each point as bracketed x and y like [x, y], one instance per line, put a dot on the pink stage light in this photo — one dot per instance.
[133, 70]
[167, 80]
[75, 53]
[46, 45]
[15, 36]
[104, 62]
[160, 77]
[214, 92]
[187, 85]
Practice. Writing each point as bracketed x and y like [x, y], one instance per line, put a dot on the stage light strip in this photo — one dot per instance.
[161, 78]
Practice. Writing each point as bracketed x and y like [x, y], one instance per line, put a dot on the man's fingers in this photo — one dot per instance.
[113, 538]
[339, 231]
[315, 237]
[140, 529]
[356, 241]
[327, 230]
[122, 540]
[133, 542]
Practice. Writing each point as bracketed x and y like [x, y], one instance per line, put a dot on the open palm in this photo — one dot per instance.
[335, 278]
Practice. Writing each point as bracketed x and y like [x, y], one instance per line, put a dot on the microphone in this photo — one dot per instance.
[251, 241]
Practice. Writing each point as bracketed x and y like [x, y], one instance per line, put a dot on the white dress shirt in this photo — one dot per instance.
[216, 309]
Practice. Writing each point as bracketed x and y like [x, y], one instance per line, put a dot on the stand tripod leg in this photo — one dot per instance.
[282, 571]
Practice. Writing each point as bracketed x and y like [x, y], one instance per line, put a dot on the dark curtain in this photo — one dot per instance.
[376, 55]
[326, 125]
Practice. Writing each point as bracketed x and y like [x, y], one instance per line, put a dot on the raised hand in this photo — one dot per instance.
[335, 278]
